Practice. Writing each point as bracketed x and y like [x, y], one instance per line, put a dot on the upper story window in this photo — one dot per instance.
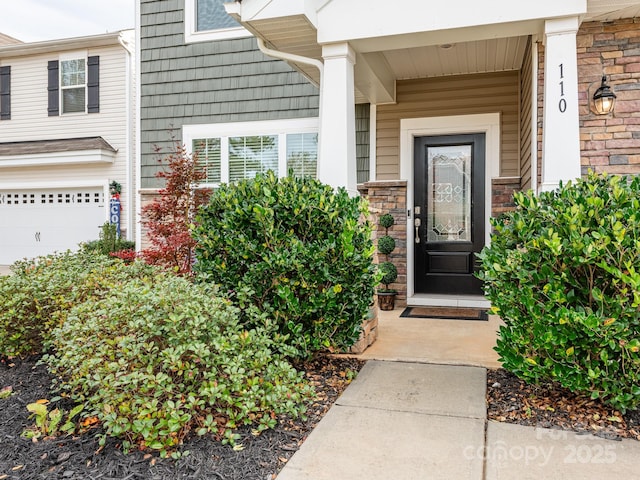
[235, 151]
[74, 84]
[207, 20]
[5, 92]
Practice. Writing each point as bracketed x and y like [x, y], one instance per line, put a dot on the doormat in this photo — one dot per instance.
[446, 313]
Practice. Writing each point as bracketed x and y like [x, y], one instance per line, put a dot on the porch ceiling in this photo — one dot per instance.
[482, 56]
[377, 69]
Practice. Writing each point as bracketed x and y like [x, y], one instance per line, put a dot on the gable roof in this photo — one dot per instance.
[123, 38]
[7, 40]
[54, 146]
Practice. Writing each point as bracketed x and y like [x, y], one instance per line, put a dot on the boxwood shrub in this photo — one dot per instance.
[563, 272]
[295, 249]
[158, 357]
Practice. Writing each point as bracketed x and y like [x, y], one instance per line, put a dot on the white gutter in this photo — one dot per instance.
[48, 46]
[290, 57]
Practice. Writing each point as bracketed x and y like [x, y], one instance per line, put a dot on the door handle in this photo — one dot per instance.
[416, 224]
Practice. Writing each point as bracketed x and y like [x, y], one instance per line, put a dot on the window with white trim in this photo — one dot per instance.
[232, 152]
[207, 20]
[73, 85]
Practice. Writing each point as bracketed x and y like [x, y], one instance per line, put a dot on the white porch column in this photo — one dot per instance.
[561, 132]
[337, 142]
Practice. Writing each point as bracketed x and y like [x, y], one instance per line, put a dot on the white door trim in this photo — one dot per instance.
[487, 123]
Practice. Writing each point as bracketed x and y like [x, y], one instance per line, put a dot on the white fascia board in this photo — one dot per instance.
[58, 158]
[255, 10]
[58, 45]
[378, 18]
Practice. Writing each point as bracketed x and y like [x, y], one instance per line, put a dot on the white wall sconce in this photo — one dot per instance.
[604, 99]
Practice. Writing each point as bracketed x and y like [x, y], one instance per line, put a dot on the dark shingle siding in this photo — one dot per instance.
[362, 141]
[207, 82]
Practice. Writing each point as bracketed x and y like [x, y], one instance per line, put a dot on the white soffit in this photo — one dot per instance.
[482, 56]
[610, 10]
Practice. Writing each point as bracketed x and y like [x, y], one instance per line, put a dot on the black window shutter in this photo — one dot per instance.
[5, 93]
[54, 97]
[93, 84]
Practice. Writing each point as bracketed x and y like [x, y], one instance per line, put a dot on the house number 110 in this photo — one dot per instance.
[562, 104]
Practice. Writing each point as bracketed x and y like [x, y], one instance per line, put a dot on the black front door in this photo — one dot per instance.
[449, 212]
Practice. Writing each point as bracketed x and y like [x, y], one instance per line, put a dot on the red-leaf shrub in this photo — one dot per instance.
[168, 217]
[128, 255]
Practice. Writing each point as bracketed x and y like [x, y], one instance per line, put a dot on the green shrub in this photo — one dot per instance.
[386, 244]
[386, 221]
[296, 250]
[158, 357]
[389, 274]
[34, 298]
[563, 272]
[109, 241]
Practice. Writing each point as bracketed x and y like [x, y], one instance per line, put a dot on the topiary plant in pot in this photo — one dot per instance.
[386, 245]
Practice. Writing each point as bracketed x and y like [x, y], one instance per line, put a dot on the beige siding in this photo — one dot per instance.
[525, 120]
[30, 120]
[453, 95]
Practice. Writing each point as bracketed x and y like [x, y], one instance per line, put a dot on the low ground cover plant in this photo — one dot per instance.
[297, 251]
[36, 297]
[563, 272]
[158, 358]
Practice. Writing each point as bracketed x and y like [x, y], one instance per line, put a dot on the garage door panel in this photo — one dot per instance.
[39, 222]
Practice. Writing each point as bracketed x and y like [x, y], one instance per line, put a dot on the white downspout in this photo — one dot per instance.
[138, 126]
[291, 57]
[534, 114]
[130, 139]
[298, 59]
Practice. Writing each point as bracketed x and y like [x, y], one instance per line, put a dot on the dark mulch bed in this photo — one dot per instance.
[511, 400]
[81, 458]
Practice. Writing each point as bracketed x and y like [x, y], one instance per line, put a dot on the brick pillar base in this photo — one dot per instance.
[390, 197]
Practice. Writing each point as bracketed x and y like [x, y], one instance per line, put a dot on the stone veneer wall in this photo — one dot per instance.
[391, 197]
[147, 196]
[611, 142]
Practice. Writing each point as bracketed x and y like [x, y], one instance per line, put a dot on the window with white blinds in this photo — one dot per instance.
[249, 156]
[302, 154]
[232, 152]
[207, 154]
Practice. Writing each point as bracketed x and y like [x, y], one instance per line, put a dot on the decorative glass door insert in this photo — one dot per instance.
[449, 191]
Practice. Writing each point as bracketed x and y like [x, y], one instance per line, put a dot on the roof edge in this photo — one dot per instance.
[48, 46]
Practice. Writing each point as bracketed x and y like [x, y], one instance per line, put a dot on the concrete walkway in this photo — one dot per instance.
[418, 421]
[449, 342]
[417, 411]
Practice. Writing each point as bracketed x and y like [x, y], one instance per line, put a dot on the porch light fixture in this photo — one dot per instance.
[604, 98]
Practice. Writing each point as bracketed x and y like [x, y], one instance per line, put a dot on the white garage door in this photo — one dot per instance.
[39, 222]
